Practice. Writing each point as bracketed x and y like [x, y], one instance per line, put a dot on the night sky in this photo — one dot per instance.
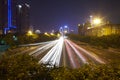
[52, 14]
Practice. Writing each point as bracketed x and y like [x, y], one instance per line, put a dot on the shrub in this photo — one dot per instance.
[25, 67]
[103, 41]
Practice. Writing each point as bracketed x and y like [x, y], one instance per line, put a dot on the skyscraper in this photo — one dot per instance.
[14, 18]
[3, 14]
[7, 17]
[22, 21]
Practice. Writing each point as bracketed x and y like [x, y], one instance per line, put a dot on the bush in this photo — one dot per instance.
[25, 67]
[103, 41]
[87, 72]
[21, 67]
[25, 39]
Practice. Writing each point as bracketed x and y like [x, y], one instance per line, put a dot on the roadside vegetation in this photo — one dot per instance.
[25, 67]
[14, 40]
[103, 41]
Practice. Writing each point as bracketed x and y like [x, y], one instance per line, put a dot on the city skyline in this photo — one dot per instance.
[54, 14]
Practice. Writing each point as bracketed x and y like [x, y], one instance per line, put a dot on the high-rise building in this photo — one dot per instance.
[7, 17]
[22, 21]
[66, 29]
[13, 18]
[3, 18]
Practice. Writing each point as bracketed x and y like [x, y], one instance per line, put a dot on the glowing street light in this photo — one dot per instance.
[58, 35]
[66, 26]
[97, 21]
[20, 6]
[46, 33]
[52, 34]
[30, 33]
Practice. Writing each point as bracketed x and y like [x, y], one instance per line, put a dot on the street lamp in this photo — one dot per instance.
[66, 26]
[46, 33]
[58, 35]
[20, 6]
[30, 33]
[96, 21]
[51, 34]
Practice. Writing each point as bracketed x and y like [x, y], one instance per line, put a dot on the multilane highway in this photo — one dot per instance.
[63, 52]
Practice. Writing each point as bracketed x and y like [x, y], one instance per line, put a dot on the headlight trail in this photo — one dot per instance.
[54, 55]
[48, 56]
[72, 55]
[93, 56]
[59, 51]
[43, 48]
[35, 44]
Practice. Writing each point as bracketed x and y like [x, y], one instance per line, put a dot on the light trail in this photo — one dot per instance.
[54, 55]
[73, 55]
[59, 53]
[47, 57]
[77, 52]
[69, 52]
[43, 48]
[93, 56]
[35, 44]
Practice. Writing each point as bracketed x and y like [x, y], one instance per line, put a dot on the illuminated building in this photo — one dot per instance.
[7, 17]
[66, 29]
[81, 29]
[13, 18]
[23, 23]
[98, 26]
[61, 30]
[106, 29]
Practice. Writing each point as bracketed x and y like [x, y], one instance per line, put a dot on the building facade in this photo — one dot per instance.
[7, 16]
[23, 18]
[13, 18]
[3, 14]
[107, 29]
